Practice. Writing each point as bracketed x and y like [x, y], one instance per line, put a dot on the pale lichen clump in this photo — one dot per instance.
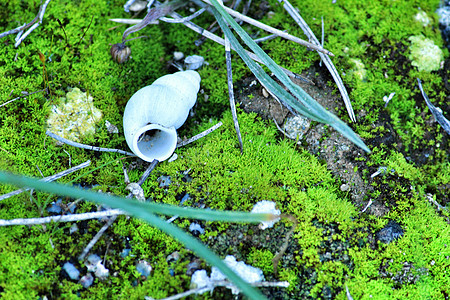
[75, 116]
[425, 55]
[423, 18]
[359, 70]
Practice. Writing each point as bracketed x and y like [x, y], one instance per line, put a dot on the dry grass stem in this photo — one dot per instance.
[279, 255]
[199, 136]
[30, 26]
[25, 94]
[226, 283]
[49, 178]
[221, 41]
[185, 19]
[328, 63]
[65, 218]
[83, 146]
[270, 29]
[231, 93]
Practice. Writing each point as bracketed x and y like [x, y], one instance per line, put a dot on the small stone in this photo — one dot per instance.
[265, 93]
[71, 271]
[111, 128]
[144, 268]
[136, 190]
[193, 266]
[199, 280]
[164, 181]
[194, 62]
[73, 228]
[55, 207]
[87, 280]
[94, 264]
[246, 272]
[138, 6]
[390, 232]
[177, 55]
[101, 272]
[125, 252]
[196, 229]
[345, 187]
[296, 127]
[173, 257]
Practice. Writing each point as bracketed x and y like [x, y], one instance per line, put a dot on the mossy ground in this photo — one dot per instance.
[334, 244]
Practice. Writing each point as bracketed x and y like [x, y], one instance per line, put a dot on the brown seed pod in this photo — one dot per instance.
[120, 53]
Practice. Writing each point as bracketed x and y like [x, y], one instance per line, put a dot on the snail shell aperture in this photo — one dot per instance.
[153, 114]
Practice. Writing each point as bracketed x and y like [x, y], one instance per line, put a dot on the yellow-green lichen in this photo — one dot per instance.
[425, 55]
[75, 116]
[359, 70]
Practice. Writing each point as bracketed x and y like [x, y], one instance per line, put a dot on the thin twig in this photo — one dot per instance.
[200, 135]
[96, 238]
[277, 258]
[83, 146]
[266, 38]
[37, 21]
[65, 218]
[328, 63]
[131, 21]
[323, 38]
[278, 32]
[23, 96]
[20, 29]
[430, 198]
[185, 19]
[221, 41]
[231, 92]
[49, 178]
[226, 283]
[147, 172]
[436, 113]
[367, 206]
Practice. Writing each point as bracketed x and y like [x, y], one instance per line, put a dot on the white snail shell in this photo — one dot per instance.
[153, 114]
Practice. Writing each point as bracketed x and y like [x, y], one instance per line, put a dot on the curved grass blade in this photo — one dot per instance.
[302, 102]
[144, 211]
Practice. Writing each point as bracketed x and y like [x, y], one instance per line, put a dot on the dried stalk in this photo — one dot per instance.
[231, 92]
[30, 26]
[83, 146]
[65, 218]
[221, 41]
[199, 136]
[226, 283]
[270, 29]
[49, 178]
[328, 63]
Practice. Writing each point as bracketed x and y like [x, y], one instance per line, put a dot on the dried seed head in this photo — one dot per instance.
[120, 53]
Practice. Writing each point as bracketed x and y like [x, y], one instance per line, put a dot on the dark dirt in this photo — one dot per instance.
[329, 145]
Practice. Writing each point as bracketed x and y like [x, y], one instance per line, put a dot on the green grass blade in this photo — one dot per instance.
[133, 206]
[144, 212]
[307, 105]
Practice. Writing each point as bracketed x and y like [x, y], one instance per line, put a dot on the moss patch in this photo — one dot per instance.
[333, 246]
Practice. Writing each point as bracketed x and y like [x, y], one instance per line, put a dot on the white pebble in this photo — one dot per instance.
[246, 272]
[71, 270]
[266, 207]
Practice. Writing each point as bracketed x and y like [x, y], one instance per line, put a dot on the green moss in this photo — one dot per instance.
[333, 244]
[261, 259]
